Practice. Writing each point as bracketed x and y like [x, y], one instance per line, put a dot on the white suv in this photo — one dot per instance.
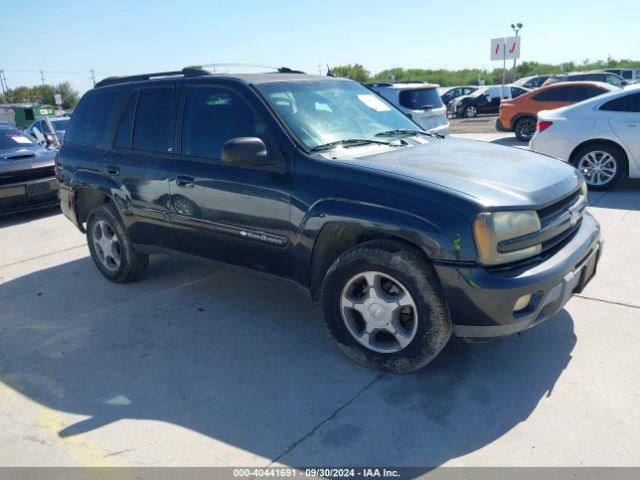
[419, 101]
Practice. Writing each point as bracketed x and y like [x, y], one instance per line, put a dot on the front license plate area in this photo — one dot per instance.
[35, 189]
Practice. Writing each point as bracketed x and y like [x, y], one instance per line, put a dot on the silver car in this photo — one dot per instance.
[419, 101]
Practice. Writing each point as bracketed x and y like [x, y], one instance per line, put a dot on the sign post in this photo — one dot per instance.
[505, 49]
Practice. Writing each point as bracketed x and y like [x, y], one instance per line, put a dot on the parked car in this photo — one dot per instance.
[448, 94]
[600, 137]
[404, 236]
[40, 130]
[598, 76]
[532, 82]
[419, 101]
[27, 178]
[519, 115]
[484, 100]
[631, 75]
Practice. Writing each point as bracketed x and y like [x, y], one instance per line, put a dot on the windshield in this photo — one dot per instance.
[59, 125]
[326, 111]
[420, 99]
[14, 138]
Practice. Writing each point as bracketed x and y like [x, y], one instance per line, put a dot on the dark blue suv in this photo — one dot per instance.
[405, 237]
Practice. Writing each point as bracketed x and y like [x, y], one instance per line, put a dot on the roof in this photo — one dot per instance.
[404, 85]
[18, 105]
[592, 83]
[281, 75]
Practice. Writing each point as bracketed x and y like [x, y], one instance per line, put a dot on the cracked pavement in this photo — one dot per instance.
[194, 365]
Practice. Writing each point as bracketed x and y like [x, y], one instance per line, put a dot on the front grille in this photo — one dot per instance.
[26, 175]
[553, 211]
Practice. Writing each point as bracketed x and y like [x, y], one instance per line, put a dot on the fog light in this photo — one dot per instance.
[522, 303]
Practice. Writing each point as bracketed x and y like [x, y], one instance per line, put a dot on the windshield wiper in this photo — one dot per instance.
[352, 142]
[407, 131]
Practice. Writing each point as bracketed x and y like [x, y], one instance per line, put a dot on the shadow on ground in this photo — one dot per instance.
[625, 196]
[510, 142]
[247, 362]
[25, 217]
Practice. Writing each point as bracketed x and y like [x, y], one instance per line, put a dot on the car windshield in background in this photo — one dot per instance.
[322, 112]
[14, 138]
[420, 99]
[60, 125]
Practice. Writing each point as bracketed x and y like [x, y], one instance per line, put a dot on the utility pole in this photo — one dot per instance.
[3, 83]
[516, 28]
[42, 76]
[93, 76]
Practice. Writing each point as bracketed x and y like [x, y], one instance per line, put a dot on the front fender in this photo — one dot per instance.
[370, 219]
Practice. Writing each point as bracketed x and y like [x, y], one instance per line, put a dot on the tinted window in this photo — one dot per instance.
[90, 117]
[213, 115]
[420, 98]
[628, 103]
[125, 126]
[60, 124]
[516, 92]
[613, 80]
[577, 93]
[152, 119]
[557, 94]
[626, 74]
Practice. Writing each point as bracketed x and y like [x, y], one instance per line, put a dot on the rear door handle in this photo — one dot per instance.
[112, 170]
[185, 182]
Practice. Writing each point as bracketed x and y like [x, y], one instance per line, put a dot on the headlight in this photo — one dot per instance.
[492, 228]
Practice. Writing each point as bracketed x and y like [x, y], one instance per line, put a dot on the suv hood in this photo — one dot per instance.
[495, 175]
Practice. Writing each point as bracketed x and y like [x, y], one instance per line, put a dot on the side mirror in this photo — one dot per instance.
[249, 152]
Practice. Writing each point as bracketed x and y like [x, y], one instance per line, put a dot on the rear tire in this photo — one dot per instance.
[524, 128]
[602, 164]
[110, 246]
[397, 291]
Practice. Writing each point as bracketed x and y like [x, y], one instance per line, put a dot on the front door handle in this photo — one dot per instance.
[112, 170]
[185, 182]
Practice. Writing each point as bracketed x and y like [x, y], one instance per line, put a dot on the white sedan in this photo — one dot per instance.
[600, 136]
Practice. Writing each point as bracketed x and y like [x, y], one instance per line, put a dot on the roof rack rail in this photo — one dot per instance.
[194, 71]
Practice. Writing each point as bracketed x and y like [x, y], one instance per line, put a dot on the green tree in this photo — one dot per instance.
[354, 72]
[42, 94]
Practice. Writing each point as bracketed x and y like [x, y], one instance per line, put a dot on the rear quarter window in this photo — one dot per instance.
[89, 119]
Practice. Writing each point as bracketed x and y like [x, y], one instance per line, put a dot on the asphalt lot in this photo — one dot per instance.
[194, 365]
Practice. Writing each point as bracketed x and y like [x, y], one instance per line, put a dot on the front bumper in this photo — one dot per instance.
[29, 195]
[500, 127]
[481, 300]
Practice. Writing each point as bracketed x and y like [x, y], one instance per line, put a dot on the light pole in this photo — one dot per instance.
[516, 27]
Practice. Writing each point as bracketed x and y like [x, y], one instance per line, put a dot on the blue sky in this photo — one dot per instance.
[68, 38]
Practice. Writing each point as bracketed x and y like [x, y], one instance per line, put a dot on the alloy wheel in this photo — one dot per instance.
[598, 167]
[106, 245]
[379, 312]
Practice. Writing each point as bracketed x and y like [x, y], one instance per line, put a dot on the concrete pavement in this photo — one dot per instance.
[195, 365]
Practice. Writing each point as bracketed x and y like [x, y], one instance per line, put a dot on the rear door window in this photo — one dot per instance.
[628, 103]
[557, 94]
[124, 131]
[579, 93]
[89, 119]
[152, 119]
[420, 98]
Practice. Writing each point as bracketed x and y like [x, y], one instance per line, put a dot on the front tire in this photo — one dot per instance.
[470, 111]
[110, 246]
[383, 305]
[603, 165]
[524, 129]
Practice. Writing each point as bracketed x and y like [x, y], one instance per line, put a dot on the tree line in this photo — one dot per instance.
[474, 76]
[42, 94]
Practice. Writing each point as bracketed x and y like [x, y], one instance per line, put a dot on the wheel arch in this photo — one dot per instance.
[344, 230]
[595, 141]
[90, 190]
